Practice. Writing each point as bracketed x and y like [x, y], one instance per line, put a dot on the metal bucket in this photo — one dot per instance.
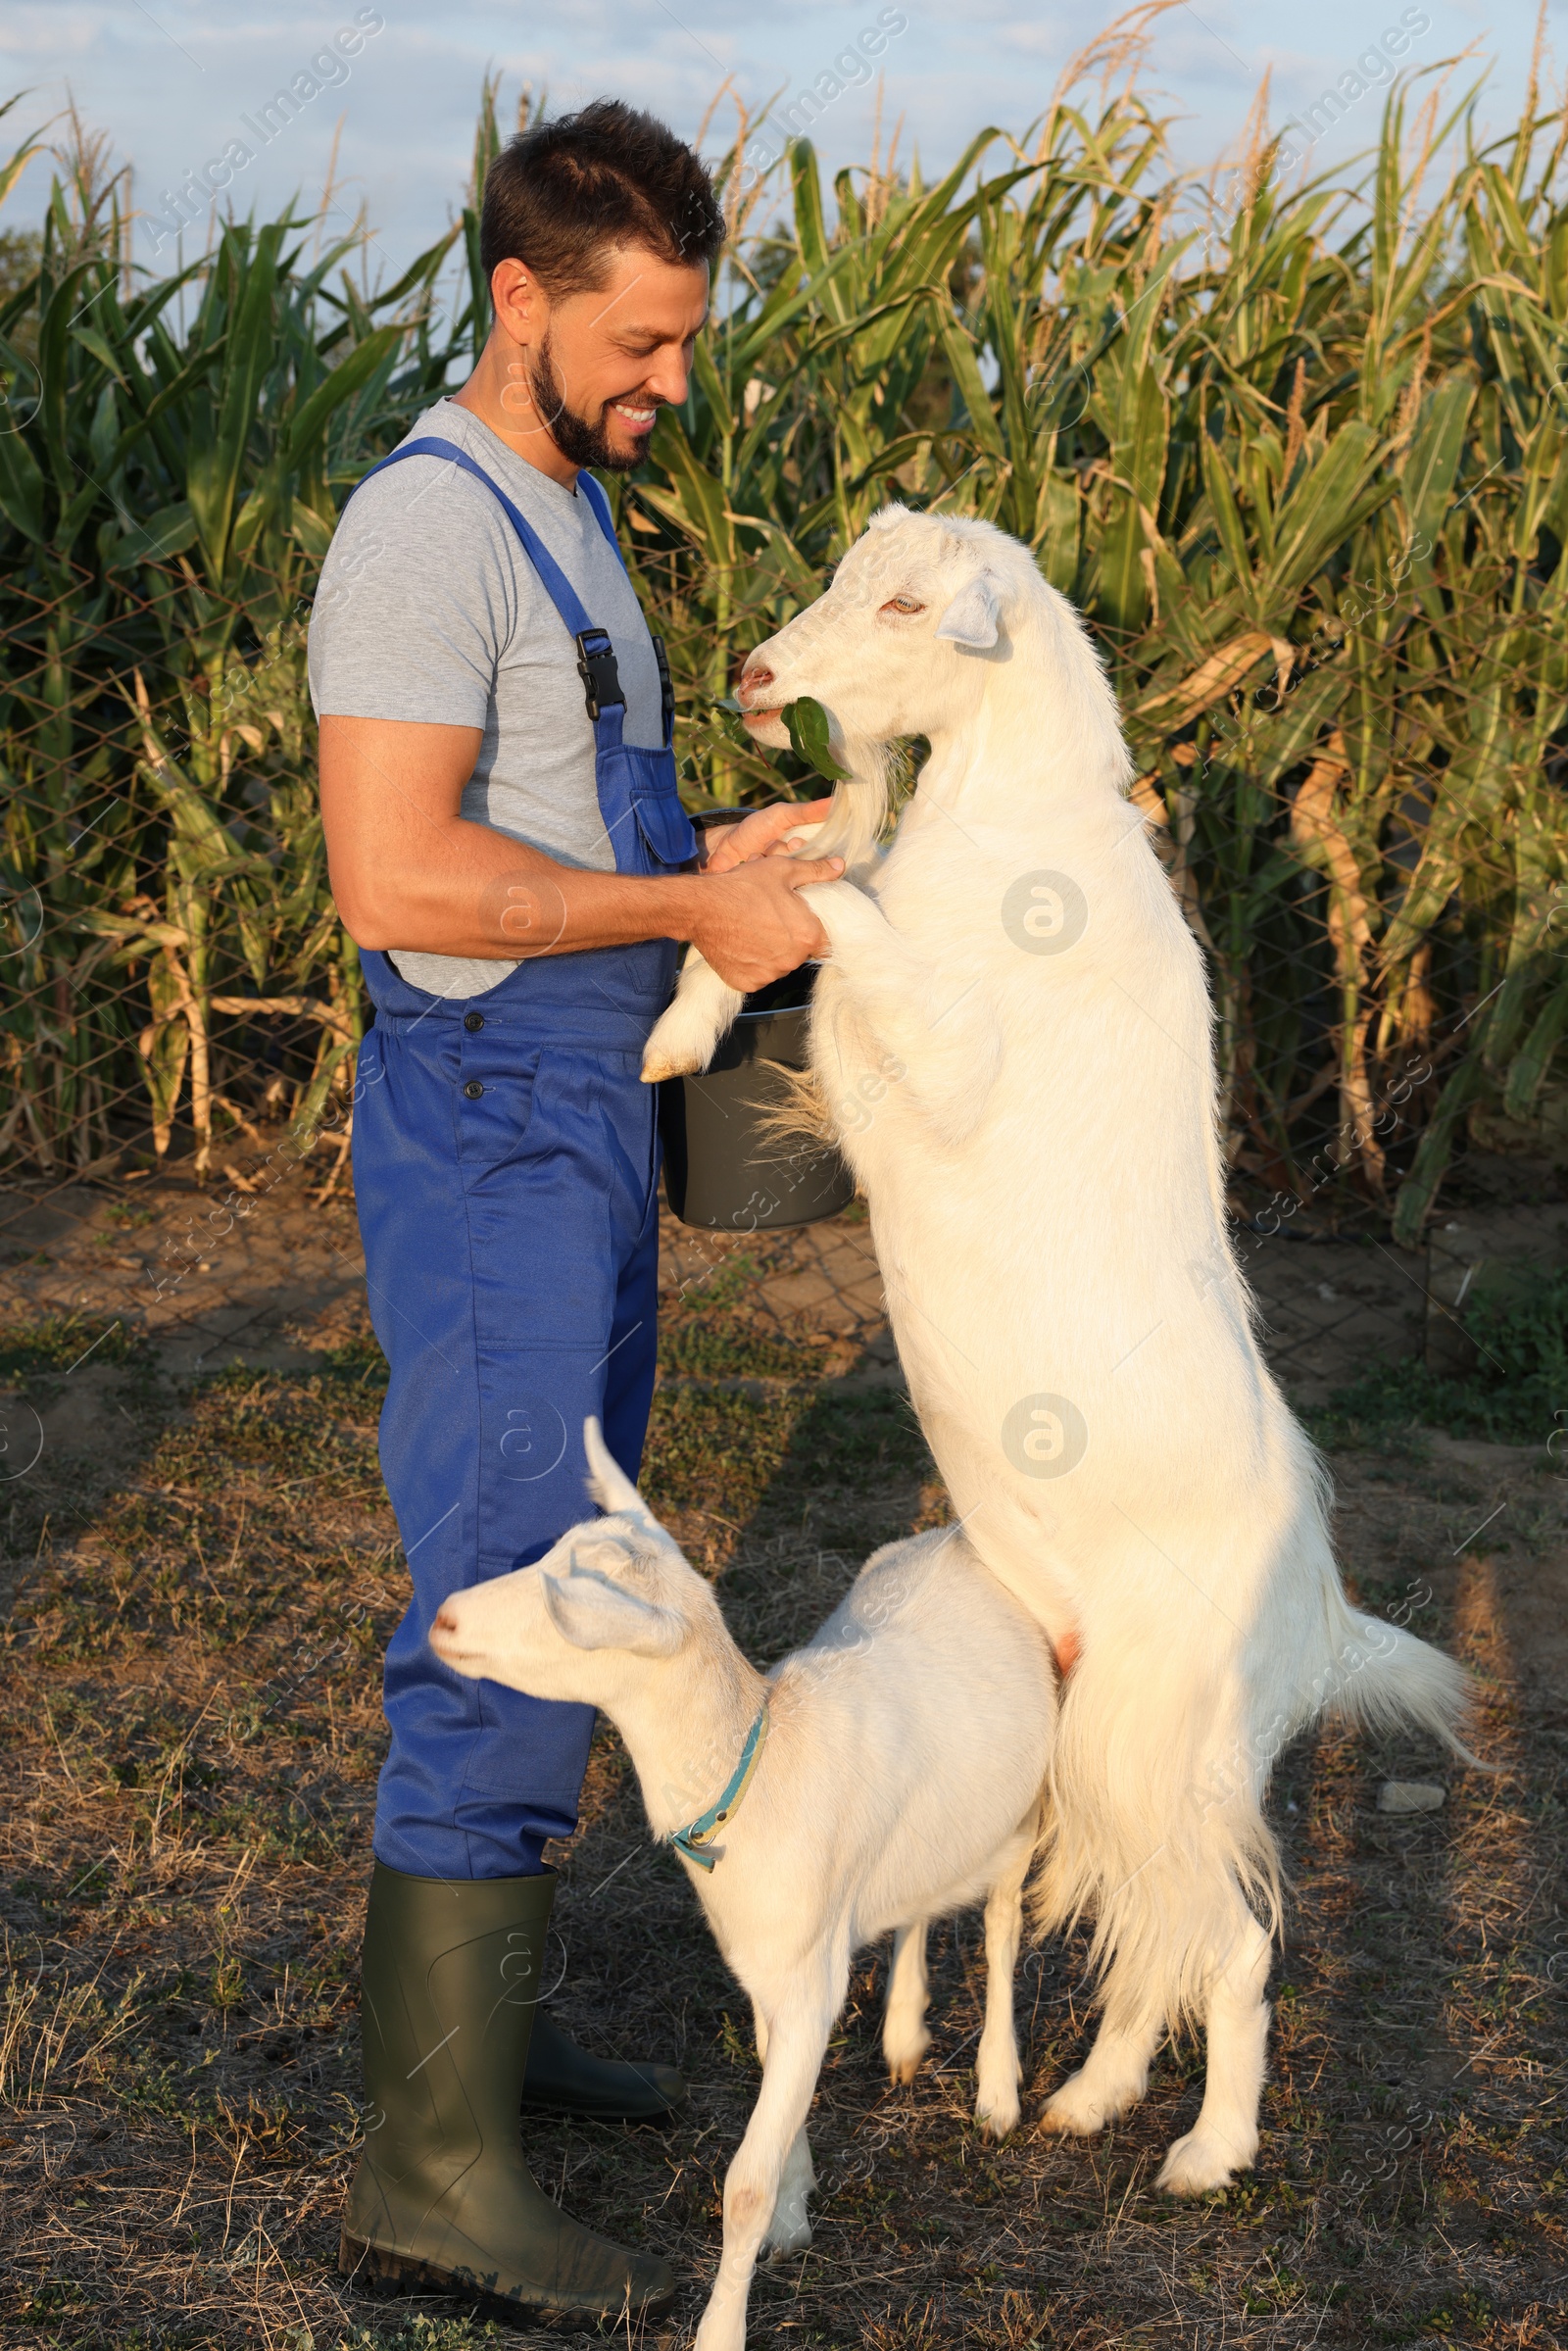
[721, 1170]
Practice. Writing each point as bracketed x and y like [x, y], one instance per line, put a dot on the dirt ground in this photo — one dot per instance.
[200, 1568]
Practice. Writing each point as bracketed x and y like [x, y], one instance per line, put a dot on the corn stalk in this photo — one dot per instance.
[1296, 451]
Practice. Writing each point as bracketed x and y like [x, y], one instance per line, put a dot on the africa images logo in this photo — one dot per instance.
[328, 70]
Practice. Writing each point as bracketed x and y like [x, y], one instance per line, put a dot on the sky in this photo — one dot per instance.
[177, 83]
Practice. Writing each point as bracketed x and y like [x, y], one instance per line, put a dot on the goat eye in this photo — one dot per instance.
[902, 603]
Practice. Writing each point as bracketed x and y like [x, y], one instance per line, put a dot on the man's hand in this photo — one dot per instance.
[750, 925]
[410, 871]
[756, 835]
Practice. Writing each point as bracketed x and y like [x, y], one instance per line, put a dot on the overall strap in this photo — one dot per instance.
[593, 491]
[556, 586]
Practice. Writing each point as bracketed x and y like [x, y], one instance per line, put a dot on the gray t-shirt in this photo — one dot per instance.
[429, 610]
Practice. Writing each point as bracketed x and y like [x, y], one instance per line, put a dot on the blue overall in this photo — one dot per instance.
[504, 1166]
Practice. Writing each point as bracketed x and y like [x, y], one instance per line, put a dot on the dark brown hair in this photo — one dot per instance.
[563, 194]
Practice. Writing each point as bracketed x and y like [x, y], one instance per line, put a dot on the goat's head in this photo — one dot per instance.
[923, 612]
[615, 1590]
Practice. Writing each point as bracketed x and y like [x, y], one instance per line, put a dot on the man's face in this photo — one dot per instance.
[594, 369]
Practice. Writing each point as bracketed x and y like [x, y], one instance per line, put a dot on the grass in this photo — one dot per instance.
[58, 1341]
[190, 1734]
[1517, 1392]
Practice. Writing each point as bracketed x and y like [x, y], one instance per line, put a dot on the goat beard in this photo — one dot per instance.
[581, 440]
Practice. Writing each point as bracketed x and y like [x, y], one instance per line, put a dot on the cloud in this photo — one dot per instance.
[165, 96]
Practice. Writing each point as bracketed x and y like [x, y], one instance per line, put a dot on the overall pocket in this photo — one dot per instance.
[540, 1221]
[644, 782]
[666, 830]
[629, 1114]
[495, 1095]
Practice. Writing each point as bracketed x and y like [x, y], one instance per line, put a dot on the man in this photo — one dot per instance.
[509, 850]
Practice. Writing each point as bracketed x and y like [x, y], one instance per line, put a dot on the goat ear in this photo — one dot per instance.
[608, 1482]
[592, 1613]
[972, 616]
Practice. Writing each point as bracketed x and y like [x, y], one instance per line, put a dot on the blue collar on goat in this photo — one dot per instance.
[701, 1832]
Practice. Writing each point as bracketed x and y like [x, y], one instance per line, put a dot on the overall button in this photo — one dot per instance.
[472, 1021]
[474, 1090]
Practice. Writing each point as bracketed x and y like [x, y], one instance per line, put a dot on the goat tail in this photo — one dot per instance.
[1382, 1678]
[1155, 1828]
[801, 1110]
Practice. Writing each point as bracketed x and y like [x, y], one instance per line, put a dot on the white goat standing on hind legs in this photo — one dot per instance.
[1048, 1205]
[885, 1774]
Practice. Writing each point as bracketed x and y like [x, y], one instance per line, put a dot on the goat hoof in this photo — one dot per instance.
[672, 1062]
[904, 2064]
[1078, 2111]
[999, 2116]
[785, 2237]
[1200, 2162]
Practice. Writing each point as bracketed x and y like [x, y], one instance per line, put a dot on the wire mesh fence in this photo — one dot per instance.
[175, 977]
[1373, 865]
[175, 970]
[1312, 498]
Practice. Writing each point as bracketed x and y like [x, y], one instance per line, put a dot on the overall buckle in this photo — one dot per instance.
[596, 667]
[666, 691]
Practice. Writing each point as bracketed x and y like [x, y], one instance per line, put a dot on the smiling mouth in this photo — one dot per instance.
[638, 417]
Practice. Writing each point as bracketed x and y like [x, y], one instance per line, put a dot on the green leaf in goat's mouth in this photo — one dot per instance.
[807, 723]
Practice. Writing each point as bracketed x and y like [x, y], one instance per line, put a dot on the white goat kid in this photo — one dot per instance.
[898, 1778]
[1048, 1206]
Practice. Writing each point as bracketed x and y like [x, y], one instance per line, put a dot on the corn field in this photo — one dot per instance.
[1297, 452]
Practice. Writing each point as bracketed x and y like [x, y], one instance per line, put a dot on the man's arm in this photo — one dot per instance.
[408, 871]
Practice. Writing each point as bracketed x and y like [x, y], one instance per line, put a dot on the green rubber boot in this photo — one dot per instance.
[442, 2199]
[563, 2078]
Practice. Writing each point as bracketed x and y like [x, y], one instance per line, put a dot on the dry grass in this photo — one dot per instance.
[189, 1727]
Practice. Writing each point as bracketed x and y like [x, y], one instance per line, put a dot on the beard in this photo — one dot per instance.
[581, 440]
